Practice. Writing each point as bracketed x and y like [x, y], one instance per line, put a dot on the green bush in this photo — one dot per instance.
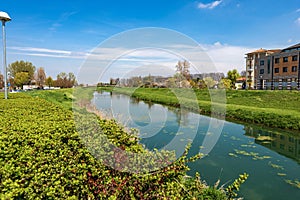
[42, 156]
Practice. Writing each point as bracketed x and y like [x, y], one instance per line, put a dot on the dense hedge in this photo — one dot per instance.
[43, 157]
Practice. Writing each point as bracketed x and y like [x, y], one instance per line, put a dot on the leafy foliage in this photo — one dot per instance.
[22, 78]
[233, 75]
[43, 157]
[21, 66]
[235, 186]
[49, 81]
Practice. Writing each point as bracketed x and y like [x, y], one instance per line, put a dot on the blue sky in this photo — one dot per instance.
[58, 35]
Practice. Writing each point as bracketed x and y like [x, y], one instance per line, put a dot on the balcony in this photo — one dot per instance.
[250, 69]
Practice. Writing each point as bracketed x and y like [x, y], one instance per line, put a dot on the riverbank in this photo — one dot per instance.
[277, 109]
[44, 157]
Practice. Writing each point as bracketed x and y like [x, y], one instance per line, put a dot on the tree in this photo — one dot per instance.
[186, 70]
[171, 83]
[49, 81]
[65, 80]
[40, 76]
[72, 79]
[209, 81]
[1, 81]
[233, 75]
[22, 78]
[61, 80]
[182, 68]
[21, 66]
[224, 84]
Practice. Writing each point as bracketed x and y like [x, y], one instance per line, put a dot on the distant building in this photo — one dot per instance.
[29, 87]
[274, 69]
[240, 83]
[215, 76]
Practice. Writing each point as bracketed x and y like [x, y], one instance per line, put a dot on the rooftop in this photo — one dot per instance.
[294, 47]
[261, 50]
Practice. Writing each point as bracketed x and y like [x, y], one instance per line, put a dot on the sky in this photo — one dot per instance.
[61, 35]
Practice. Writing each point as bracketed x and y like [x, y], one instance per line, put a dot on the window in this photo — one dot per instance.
[262, 62]
[294, 68]
[269, 66]
[285, 59]
[285, 69]
[295, 58]
[261, 71]
[276, 60]
[276, 70]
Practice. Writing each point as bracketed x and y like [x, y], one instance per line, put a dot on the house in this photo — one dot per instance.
[239, 84]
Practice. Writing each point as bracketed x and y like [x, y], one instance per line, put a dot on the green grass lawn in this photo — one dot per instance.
[62, 97]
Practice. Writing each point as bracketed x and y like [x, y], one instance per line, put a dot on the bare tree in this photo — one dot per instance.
[40, 76]
[186, 70]
[65, 80]
[1, 81]
[183, 68]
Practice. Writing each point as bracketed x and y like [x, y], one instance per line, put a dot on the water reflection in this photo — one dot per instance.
[285, 143]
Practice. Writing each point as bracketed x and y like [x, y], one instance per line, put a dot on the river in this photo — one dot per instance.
[270, 157]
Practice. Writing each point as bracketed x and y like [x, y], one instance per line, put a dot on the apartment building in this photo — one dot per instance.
[274, 69]
[257, 63]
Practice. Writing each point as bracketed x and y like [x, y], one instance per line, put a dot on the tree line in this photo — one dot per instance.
[182, 79]
[25, 73]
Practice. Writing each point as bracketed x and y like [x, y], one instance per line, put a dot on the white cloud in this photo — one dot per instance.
[34, 49]
[226, 57]
[290, 41]
[298, 10]
[298, 21]
[43, 52]
[211, 5]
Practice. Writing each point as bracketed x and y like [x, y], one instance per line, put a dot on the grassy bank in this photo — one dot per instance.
[63, 97]
[43, 156]
[279, 109]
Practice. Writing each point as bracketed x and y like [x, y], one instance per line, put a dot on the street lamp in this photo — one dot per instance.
[4, 17]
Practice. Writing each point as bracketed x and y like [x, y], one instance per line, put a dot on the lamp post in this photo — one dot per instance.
[4, 17]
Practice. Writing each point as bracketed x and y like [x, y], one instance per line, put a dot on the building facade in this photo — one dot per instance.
[274, 69]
